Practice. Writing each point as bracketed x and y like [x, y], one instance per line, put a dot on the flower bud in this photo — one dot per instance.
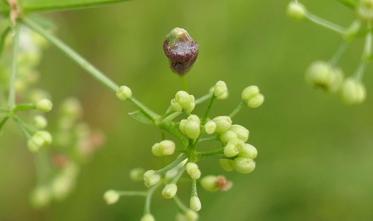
[248, 151]
[244, 165]
[181, 50]
[256, 101]
[151, 178]
[184, 101]
[231, 150]
[62, 185]
[241, 132]
[38, 140]
[220, 90]
[193, 170]
[124, 92]
[365, 10]
[40, 122]
[296, 10]
[323, 75]
[223, 123]
[44, 105]
[191, 215]
[137, 174]
[215, 183]
[111, 197]
[148, 217]
[228, 136]
[72, 108]
[210, 127]
[169, 191]
[164, 148]
[226, 164]
[191, 127]
[252, 96]
[195, 203]
[40, 197]
[353, 91]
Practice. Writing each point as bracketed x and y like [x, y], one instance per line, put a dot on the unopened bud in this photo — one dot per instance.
[169, 191]
[193, 170]
[111, 197]
[44, 105]
[124, 92]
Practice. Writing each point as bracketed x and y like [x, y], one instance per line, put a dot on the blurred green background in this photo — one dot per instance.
[315, 154]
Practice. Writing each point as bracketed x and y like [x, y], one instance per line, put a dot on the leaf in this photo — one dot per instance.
[140, 117]
[53, 5]
[2, 122]
[350, 3]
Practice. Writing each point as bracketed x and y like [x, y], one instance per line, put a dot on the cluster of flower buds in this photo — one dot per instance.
[327, 75]
[189, 130]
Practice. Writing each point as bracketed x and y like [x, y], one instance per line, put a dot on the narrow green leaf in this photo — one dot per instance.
[4, 34]
[52, 5]
[350, 3]
[3, 122]
[140, 117]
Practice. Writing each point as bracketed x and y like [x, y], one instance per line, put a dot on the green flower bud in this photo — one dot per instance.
[226, 164]
[124, 92]
[231, 150]
[72, 108]
[210, 127]
[176, 107]
[137, 174]
[195, 203]
[169, 191]
[193, 170]
[228, 136]
[365, 10]
[148, 217]
[62, 185]
[44, 105]
[244, 165]
[185, 100]
[250, 92]
[248, 151]
[353, 91]
[241, 132]
[151, 178]
[191, 127]
[220, 90]
[40, 122]
[296, 10]
[324, 76]
[164, 148]
[209, 183]
[40, 197]
[111, 197]
[223, 123]
[38, 140]
[191, 215]
[256, 101]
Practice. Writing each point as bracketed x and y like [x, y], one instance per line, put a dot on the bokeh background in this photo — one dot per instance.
[316, 154]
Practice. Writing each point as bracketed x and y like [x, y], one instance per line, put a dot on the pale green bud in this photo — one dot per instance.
[137, 174]
[191, 215]
[193, 170]
[353, 91]
[365, 10]
[223, 123]
[241, 132]
[256, 101]
[248, 151]
[62, 185]
[72, 108]
[231, 150]
[220, 90]
[38, 140]
[195, 203]
[191, 127]
[185, 100]
[296, 10]
[44, 105]
[40, 122]
[250, 92]
[228, 136]
[164, 148]
[151, 178]
[226, 164]
[176, 107]
[111, 197]
[124, 93]
[169, 191]
[209, 183]
[40, 197]
[244, 165]
[148, 217]
[210, 127]
[324, 76]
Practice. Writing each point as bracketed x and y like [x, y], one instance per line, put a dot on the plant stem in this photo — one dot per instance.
[211, 153]
[325, 23]
[203, 98]
[173, 164]
[194, 188]
[148, 199]
[12, 81]
[236, 110]
[132, 193]
[212, 99]
[337, 56]
[180, 204]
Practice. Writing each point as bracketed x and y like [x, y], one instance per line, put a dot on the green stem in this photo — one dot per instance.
[148, 199]
[12, 81]
[203, 98]
[3, 122]
[211, 153]
[325, 23]
[132, 193]
[173, 164]
[212, 99]
[337, 56]
[180, 204]
[237, 109]
[3, 38]
[23, 107]
[194, 188]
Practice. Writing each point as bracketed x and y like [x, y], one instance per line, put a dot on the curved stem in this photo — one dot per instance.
[180, 204]
[325, 23]
[236, 110]
[173, 164]
[148, 199]
[203, 98]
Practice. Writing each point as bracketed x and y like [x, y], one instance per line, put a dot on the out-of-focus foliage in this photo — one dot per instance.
[315, 153]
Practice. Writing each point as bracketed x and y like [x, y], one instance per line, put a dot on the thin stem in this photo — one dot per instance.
[3, 122]
[208, 108]
[180, 173]
[237, 109]
[367, 53]
[12, 81]
[211, 152]
[337, 56]
[325, 23]
[173, 164]
[24, 107]
[194, 188]
[132, 193]
[210, 138]
[180, 204]
[203, 98]
[148, 199]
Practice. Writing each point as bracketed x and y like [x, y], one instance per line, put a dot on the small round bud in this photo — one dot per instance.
[44, 105]
[248, 151]
[228, 136]
[241, 132]
[181, 50]
[209, 183]
[191, 215]
[184, 100]
[365, 10]
[151, 178]
[40, 122]
[137, 174]
[220, 90]
[226, 164]
[40, 197]
[148, 217]
[353, 91]
[38, 140]
[169, 191]
[164, 148]
[223, 123]
[195, 203]
[124, 92]
[111, 197]
[296, 10]
[244, 165]
[193, 170]
[256, 101]
[231, 150]
[250, 92]
[210, 127]
[323, 75]
[191, 127]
